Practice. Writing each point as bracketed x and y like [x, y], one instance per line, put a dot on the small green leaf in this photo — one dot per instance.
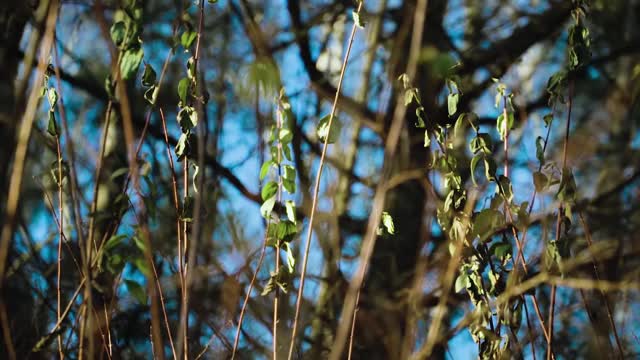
[183, 90]
[462, 282]
[490, 168]
[182, 146]
[130, 62]
[52, 96]
[427, 139]
[504, 186]
[187, 38]
[264, 170]
[118, 31]
[114, 241]
[196, 169]
[285, 136]
[547, 120]
[149, 76]
[540, 149]
[52, 126]
[357, 20]
[474, 163]
[291, 211]
[291, 261]
[486, 222]
[323, 129]
[137, 291]
[540, 181]
[267, 207]
[387, 222]
[452, 103]
[187, 118]
[151, 94]
[269, 190]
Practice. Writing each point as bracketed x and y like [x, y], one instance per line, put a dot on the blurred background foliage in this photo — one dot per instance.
[249, 50]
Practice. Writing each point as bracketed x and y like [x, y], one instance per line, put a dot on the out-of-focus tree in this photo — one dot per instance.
[163, 192]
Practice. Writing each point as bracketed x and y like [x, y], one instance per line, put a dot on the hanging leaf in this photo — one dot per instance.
[187, 38]
[183, 90]
[117, 32]
[387, 222]
[358, 20]
[130, 62]
[137, 291]
[540, 149]
[291, 211]
[291, 261]
[52, 126]
[452, 103]
[323, 130]
[264, 170]
[269, 190]
[267, 207]
[474, 163]
[149, 76]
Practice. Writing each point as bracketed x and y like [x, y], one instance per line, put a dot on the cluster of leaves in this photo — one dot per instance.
[125, 33]
[487, 265]
[281, 230]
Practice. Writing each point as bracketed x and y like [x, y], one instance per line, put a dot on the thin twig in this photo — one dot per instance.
[316, 190]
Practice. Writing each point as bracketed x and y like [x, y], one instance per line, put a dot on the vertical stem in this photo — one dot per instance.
[316, 190]
[60, 240]
[559, 218]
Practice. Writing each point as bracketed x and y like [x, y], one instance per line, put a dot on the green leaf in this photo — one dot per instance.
[474, 163]
[490, 168]
[387, 222]
[540, 149]
[567, 190]
[149, 76]
[187, 118]
[504, 185]
[540, 181]
[323, 129]
[289, 178]
[267, 207]
[462, 282]
[118, 31]
[427, 138]
[151, 94]
[482, 142]
[452, 103]
[408, 96]
[264, 170]
[183, 90]
[196, 169]
[357, 20]
[284, 230]
[114, 241]
[52, 97]
[143, 266]
[504, 125]
[52, 126]
[291, 261]
[486, 223]
[119, 172]
[182, 146]
[187, 38]
[130, 62]
[291, 211]
[269, 190]
[137, 291]
[285, 136]
[191, 68]
[547, 120]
